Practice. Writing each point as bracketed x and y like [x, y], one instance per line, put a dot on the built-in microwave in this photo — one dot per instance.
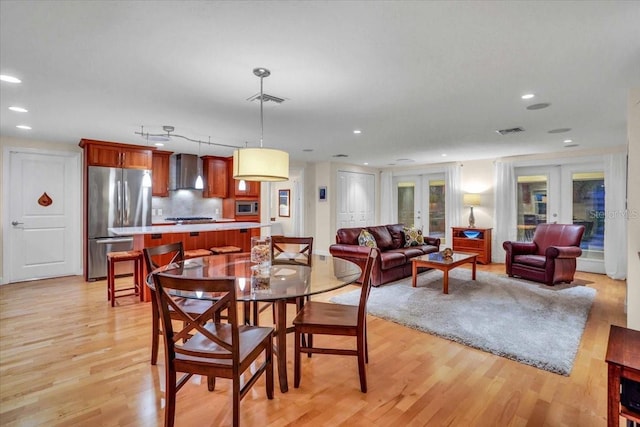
[247, 207]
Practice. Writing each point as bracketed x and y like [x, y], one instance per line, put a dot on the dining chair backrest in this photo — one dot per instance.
[366, 286]
[157, 256]
[291, 250]
[222, 341]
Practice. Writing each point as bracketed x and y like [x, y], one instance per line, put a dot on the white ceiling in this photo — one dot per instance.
[420, 79]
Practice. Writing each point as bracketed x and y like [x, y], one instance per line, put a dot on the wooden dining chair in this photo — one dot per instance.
[287, 250]
[155, 257]
[322, 318]
[212, 349]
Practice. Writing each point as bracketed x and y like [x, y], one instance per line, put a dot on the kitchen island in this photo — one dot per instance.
[193, 236]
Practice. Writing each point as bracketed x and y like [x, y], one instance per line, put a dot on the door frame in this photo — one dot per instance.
[75, 229]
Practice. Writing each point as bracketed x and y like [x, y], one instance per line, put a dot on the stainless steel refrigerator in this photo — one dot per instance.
[115, 198]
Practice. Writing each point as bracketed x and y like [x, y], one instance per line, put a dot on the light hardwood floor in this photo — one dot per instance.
[68, 359]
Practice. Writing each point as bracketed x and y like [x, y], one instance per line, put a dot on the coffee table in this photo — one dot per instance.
[438, 261]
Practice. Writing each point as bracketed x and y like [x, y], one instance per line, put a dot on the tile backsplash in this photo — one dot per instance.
[185, 203]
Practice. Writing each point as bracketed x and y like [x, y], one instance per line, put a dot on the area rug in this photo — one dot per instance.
[525, 321]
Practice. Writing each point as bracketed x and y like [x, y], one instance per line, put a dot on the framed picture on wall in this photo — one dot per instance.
[284, 203]
[322, 194]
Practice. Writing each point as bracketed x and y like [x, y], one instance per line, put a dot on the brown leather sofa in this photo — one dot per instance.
[394, 261]
[550, 258]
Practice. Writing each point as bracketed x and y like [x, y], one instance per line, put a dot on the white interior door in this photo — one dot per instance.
[356, 199]
[42, 215]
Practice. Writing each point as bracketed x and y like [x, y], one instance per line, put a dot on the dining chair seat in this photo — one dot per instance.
[114, 292]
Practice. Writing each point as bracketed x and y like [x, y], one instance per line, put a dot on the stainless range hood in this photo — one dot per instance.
[185, 172]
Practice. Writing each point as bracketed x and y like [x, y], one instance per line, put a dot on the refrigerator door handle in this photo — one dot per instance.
[119, 203]
[110, 241]
[126, 206]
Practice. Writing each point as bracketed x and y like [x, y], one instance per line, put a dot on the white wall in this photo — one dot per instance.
[633, 209]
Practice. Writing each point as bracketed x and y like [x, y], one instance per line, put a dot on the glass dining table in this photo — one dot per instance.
[276, 283]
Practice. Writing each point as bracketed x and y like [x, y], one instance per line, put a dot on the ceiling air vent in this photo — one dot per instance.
[340, 155]
[510, 131]
[266, 98]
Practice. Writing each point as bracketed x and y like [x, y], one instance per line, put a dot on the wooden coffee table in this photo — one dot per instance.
[438, 261]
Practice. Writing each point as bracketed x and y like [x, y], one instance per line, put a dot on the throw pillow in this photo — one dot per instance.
[413, 237]
[366, 239]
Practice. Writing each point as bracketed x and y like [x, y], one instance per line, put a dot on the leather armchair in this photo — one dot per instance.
[550, 258]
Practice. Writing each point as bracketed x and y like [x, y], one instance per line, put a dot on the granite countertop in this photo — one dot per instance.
[186, 228]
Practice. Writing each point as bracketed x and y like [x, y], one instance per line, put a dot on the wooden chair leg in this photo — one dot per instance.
[155, 331]
[236, 402]
[269, 372]
[111, 286]
[211, 383]
[296, 360]
[361, 364]
[309, 343]
[170, 399]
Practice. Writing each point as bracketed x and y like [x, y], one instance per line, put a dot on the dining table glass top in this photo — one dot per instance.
[280, 280]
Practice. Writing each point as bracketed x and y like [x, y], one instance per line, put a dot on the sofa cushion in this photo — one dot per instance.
[410, 252]
[413, 237]
[390, 259]
[530, 260]
[397, 235]
[427, 249]
[382, 235]
[366, 239]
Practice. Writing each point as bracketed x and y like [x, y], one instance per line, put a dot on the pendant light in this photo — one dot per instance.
[199, 184]
[261, 164]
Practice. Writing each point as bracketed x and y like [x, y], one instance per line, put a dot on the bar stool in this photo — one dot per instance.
[195, 253]
[225, 249]
[138, 279]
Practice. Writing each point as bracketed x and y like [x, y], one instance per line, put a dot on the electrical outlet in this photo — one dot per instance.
[217, 211]
[159, 212]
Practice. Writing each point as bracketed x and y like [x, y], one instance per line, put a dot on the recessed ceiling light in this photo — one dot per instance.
[9, 79]
[357, 131]
[366, 163]
[25, 127]
[159, 144]
[444, 155]
[568, 141]
[19, 109]
[528, 96]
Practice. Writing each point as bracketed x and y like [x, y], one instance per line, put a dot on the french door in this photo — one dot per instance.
[421, 203]
[568, 194]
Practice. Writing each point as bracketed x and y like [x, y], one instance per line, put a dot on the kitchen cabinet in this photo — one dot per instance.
[112, 154]
[480, 244]
[215, 177]
[160, 173]
[252, 190]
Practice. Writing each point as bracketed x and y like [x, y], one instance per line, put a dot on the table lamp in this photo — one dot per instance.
[471, 200]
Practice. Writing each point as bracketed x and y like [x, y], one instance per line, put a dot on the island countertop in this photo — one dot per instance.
[185, 228]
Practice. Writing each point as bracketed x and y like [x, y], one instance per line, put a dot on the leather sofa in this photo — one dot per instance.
[394, 261]
[550, 258]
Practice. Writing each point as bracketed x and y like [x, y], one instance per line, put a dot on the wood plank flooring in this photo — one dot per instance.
[68, 359]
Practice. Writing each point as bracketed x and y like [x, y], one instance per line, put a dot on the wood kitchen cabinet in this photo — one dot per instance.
[215, 177]
[252, 190]
[112, 154]
[160, 173]
[481, 244]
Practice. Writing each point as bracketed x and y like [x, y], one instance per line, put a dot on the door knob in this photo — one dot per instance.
[14, 223]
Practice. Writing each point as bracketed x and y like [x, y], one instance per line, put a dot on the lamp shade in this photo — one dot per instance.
[471, 199]
[260, 164]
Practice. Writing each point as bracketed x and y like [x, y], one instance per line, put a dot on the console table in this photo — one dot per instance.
[623, 360]
[480, 245]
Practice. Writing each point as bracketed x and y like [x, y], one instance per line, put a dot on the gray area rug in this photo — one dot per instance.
[525, 321]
